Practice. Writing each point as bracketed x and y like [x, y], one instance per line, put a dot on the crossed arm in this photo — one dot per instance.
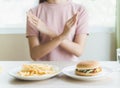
[39, 50]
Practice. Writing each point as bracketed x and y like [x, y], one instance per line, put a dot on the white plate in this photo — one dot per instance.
[14, 72]
[70, 72]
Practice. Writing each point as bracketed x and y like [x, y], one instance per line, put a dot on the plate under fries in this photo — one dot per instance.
[14, 73]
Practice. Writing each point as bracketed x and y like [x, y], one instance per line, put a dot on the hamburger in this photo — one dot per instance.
[88, 68]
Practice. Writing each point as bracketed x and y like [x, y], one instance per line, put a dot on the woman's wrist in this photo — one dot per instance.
[53, 35]
[60, 37]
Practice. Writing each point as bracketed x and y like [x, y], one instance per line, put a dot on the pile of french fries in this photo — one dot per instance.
[36, 70]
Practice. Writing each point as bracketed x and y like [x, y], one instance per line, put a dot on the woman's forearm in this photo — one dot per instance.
[72, 47]
[41, 50]
[75, 47]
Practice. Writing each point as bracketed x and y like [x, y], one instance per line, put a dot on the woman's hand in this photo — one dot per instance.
[39, 24]
[69, 24]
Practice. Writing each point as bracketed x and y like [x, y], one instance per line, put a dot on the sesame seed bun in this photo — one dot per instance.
[89, 64]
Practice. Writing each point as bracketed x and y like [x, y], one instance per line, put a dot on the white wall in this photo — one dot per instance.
[100, 46]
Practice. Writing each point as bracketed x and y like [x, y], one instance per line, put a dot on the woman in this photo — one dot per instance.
[56, 30]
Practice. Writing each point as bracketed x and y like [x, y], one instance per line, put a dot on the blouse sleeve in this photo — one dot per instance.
[31, 30]
[82, 24]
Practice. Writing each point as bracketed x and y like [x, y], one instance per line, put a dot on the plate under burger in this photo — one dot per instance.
[70, 72]
[14, 73]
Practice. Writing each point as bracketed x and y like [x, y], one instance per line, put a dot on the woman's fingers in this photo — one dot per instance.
[32, 18]
[72, 23]
[33, 22]
[35, 19]
[77, 15]
[72, 19]
[30, 15]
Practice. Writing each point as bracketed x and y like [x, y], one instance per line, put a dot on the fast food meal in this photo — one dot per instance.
[36, 70]
[88, 68]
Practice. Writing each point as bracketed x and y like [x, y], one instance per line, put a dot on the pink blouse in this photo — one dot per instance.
[55, 16]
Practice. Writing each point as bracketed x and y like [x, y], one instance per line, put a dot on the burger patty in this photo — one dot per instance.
[90, 70]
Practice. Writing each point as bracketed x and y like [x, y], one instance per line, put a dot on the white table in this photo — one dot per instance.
[60, 81]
